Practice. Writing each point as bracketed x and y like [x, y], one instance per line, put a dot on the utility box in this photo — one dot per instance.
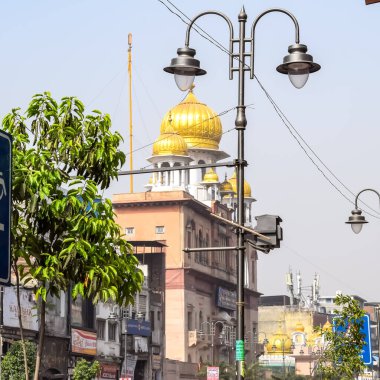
[268, 225]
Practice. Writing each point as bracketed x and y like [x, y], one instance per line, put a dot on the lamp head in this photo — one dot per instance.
[298, 65]
[185, 67]
[356, 220]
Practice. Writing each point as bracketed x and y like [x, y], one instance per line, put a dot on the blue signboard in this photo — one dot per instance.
[366, 354]
[5, 205]
[135, 327]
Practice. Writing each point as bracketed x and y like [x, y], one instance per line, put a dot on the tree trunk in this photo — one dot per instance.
[41, 337]
[20, 319]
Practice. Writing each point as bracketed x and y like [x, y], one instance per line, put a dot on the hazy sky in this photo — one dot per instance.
[79, 47]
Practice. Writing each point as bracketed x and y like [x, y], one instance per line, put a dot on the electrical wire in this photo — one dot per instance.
[199, 123]
[107, 84]
[319, 267]
[282, 116]
[196, 27]
[298, 139]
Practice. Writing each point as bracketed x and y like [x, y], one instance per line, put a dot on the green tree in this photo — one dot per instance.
[62, 230]
[12, 365]
[340, 359]
[85, 370]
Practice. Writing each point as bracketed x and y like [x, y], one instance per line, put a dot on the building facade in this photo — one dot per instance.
[179, 209]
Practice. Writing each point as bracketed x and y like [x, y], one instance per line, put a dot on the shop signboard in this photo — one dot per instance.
[28, 309]
[212, 373]
[83, 342]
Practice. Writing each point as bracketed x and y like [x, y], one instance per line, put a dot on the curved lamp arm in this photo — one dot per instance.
[253, 29]
[187, 39]
[357, 197]
[357, 220]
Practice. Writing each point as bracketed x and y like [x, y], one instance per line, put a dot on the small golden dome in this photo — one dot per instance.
[279, 343]
[300, 327]
[327, 326]
[226, 187]
[170, 143]
[247, 187]
[211, 176]
[198, 124]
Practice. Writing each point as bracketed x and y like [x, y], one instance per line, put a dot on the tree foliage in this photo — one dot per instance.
[12, 365]
[85, 370]
[61, 228]
[341, 356]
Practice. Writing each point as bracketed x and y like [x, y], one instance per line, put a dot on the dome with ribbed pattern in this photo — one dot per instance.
[170, 143]
[198, 124]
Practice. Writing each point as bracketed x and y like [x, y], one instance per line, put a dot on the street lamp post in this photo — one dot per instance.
[317, 352]
[274, 348]
[113, 316]
[297, 64]
[209, 328]
[357, 219]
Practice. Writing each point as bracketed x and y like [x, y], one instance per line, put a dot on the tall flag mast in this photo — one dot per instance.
[130, 110]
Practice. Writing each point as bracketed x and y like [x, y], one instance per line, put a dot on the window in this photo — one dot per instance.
[152, 320]
[130, 230]
[160, 229]
[112, 327]
[158, 315]
[189, 320]
[100, 327]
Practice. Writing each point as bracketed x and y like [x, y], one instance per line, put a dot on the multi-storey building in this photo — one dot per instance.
[178, 211]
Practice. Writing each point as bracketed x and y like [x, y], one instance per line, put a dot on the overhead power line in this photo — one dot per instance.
[294, 133]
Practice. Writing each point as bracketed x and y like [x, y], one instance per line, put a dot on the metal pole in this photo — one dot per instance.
[125, 345]
[378, 340]
[1, 325]
[212, 346]
[283, 359]
[240, 124]
[130, 110]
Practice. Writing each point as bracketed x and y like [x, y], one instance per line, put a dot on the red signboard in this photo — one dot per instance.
[212, 373]
[108, 371]
[83, 342]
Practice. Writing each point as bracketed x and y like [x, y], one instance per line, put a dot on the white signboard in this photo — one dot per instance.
[28, 308]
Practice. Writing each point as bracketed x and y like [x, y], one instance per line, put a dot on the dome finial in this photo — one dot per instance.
[169, 128]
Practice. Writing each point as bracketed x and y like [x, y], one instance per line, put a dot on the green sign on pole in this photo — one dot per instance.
[240, 350]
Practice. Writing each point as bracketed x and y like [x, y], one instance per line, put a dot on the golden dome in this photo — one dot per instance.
[211, 176]
[300, 327]
[195, 122]
[226, 187]
[327, 326]
[247, 187]
[279, 343]
[169, 143]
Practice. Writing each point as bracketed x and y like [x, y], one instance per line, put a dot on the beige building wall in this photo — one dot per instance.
[190, 283]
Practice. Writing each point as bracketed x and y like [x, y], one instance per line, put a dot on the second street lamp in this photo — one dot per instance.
[357, 219]
[297, 64]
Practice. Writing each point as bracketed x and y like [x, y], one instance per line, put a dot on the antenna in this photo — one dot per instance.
[299, 285]
[290, 286]
[130, 111]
